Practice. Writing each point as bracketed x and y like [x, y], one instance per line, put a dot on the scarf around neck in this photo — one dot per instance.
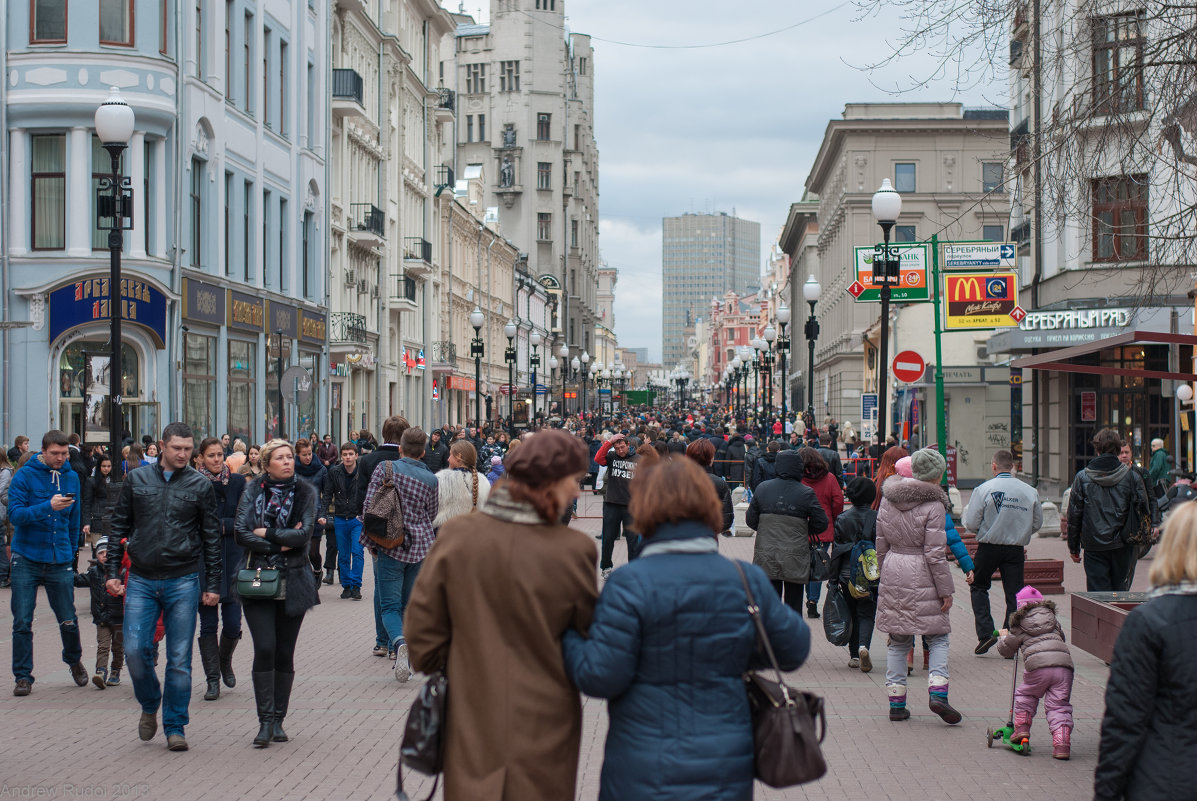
[272, 507]
[1183, 588]
[222, 477]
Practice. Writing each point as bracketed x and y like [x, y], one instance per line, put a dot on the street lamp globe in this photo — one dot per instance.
[1184, 393]
[811, 289]
[606, 374]
[735, 363]
[887, 204]
[536, 339]
[585, 357]
[783, 315]
[564, 352]
[477, 318]
[770, 335]
[598, 366]
[510, 329]
[553, 363]
[114, 120]
[575, 364]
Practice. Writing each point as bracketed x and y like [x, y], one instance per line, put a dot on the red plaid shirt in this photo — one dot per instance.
[418, 494]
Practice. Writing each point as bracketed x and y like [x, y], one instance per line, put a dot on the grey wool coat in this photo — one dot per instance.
[784, 512]
[911, 543]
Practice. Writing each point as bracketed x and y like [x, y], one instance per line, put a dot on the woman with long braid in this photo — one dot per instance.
[461, 489]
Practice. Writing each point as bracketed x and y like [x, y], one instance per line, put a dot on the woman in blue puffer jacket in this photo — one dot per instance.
[670, 641]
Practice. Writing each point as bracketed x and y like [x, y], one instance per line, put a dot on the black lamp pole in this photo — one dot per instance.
[812, 333]
[883, 365]
[116, 242]
[509, 355]
[278, 333]
[477, 350]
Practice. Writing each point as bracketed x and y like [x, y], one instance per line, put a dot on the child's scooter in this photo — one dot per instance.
[1005, 732]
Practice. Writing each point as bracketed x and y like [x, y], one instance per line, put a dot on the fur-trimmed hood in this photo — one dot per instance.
[1035, 618]
[907, 493]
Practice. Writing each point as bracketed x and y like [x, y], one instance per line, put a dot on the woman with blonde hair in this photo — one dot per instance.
[1149, 731]
[460, 489]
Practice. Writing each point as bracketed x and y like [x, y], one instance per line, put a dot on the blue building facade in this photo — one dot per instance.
[225, 262]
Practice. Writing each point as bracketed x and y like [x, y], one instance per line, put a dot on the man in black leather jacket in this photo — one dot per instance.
[167, 523]
[1104, 506]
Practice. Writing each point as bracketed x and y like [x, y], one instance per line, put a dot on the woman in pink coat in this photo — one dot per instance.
[915, 591]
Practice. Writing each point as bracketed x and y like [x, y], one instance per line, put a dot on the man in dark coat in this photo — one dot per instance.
[765, 467]
[734, 467]
[832, 457]
[436, 455]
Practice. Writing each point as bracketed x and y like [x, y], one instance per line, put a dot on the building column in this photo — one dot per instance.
[79, 207]
[135, 169]
[18, 192]
[158, 246]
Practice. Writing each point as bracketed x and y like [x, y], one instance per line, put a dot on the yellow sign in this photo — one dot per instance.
[981, 300]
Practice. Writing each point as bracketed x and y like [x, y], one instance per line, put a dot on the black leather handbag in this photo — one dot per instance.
[785, 746]
[423, 745]
[820, 562]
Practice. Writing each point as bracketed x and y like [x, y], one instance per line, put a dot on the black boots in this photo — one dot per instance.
[264, 696]
[282, 696]
[210, 658]
[227, 646]
[328, 575]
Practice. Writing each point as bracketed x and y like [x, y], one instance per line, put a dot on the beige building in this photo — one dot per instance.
[947, 163]
[525, 113]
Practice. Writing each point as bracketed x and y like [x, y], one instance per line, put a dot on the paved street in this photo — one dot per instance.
[347, 711]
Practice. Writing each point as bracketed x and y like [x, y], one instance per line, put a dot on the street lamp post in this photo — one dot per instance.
[509, 331]
[534, 361]
[548, 398]
[114, 125]
[564, 354]
[769, 336]
[811, 291]
[887, 205]
[585, 367]
[278, 339]
[758, 352]
[575, 368]
[477, 350]
[735, 376]
[783, 347]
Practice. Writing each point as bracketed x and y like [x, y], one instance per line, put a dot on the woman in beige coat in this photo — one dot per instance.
[496, 595]
[915, 591]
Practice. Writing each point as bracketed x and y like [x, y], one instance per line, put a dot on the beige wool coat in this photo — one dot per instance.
[495, 595]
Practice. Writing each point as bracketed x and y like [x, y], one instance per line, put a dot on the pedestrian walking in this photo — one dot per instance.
[1161, 463]
[616, 455]
[680, 597]
[396, 569]
[817, 476]
[19, 448]
[1005, 513]
[107, 613]
[43, 508]
[98, 500]
[459, 488]
[1105, 507]
[858, 523]
[1149, 729]
[886, 468]
[1036, 632]
[703, 454]
[501, 649]
[6, 473]
[765, 467]
[1151, 521]
[343, 501]
[166, 522]
[308, 468]
[393, 429]
[915, 590]
[275, 520]
[216, 651]
[785, 513]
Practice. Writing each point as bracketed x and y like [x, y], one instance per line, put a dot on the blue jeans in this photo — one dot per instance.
[350, 553]
[393, 581]
[814, 589]
[175, 600]
[59, 581]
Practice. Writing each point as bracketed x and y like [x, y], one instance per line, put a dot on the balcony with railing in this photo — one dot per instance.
[444, 357]
[417, 255]
[445, 177]
[403, 293]
[348, 94]
[366, 224]
[347, 328]
[446, 105]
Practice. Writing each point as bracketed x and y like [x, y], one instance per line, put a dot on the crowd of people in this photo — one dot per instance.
[215, 536]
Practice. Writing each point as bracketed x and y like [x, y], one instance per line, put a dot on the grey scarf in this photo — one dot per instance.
[1183, 588]
[500, 505]
[699, 545]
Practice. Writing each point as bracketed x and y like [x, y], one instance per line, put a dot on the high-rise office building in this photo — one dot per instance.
[703, 256]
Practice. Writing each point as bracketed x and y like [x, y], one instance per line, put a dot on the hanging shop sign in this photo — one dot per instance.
[912, 286]
[87, 301]
[981, 301]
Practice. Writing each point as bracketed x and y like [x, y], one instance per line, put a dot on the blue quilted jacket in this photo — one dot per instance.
[670, 641]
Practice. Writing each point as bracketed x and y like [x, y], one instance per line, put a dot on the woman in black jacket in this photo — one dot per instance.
[97, 506]
[275, 521]
[858, 523]
[703, 452]
[1149, 731]
[217, 655]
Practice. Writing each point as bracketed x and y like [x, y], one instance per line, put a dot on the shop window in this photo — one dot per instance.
[48, 178]
[1120, 218]
[306, 410]
[199, 384]
[242, 372]
[48, 21]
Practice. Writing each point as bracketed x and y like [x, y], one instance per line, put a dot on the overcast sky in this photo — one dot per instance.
[719, 128]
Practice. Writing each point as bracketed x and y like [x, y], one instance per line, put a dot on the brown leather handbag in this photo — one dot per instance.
[786, 748]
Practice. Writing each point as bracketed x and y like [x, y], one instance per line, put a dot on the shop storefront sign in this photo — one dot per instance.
[87, 301]
[313, 326]
[283, 318]
[203, 303]
[1088, 407]
[1062, 329]
[461, 382]
[247, 312]
[981, 300]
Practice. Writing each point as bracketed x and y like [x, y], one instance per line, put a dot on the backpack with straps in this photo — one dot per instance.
[382, 522]
[864, 574]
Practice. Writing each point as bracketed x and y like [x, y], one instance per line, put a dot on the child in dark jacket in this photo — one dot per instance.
[857, 523]
[108, 613]
[1035, 630]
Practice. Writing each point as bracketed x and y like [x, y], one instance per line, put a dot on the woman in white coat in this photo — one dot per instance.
[461, 489]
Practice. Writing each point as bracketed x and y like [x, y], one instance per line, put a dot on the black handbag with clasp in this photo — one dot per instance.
[423, 746]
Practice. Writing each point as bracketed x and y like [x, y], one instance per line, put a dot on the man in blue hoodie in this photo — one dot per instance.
[43, 505]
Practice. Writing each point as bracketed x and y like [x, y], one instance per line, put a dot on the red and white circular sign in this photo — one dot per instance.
[908, 367]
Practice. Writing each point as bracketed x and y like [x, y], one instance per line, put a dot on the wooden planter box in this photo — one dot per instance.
[1097, 618]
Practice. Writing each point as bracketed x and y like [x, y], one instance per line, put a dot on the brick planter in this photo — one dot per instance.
[1097, 617]
[1045, 575]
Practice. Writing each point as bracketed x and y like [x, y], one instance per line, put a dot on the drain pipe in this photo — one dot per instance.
[5, 371]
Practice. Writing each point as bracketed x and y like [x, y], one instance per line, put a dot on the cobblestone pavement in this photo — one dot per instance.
[346, 718]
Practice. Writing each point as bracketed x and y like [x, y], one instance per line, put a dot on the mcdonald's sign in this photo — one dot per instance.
[980, 300]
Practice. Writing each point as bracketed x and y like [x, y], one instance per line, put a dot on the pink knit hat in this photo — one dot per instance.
[902, 467]
[1028, 595]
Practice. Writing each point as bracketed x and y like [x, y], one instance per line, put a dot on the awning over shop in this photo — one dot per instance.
[1060, 360]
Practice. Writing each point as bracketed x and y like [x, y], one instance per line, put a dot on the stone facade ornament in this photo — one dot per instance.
[37, 311]
[506, 173]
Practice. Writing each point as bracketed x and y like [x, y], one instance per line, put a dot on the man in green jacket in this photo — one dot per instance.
[1161, 461]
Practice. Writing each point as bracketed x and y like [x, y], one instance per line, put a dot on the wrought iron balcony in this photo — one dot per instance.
[444, 352]
[367, 217]
[404, 288]
[347, 327]
[347, 85]
[445, 177]
[447, 99]
[417, 248]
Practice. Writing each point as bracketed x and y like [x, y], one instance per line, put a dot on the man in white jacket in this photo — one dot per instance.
[1005, 513]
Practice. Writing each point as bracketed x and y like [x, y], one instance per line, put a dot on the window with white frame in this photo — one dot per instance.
[197, 212]
[509, 76]
[475, 79]
[544, 175]
[48, 192]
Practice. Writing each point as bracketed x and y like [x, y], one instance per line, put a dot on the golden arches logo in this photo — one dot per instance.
[970, 287]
